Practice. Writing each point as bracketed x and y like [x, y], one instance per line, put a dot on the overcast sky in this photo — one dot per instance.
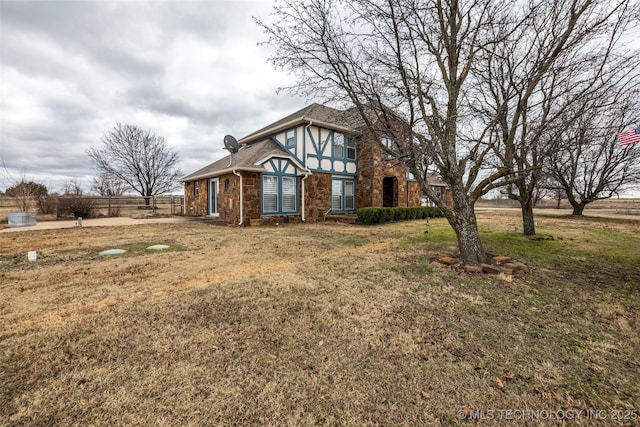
[190, 71]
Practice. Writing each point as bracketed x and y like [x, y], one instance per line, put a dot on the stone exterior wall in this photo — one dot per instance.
[228, 200]
[251, 195]
[317, 194]
[414, 194]
[373, 168]
[195, 205]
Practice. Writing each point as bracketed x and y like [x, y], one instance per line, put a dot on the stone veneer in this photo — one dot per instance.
[373, 168]
[196, 205]
[317, 194]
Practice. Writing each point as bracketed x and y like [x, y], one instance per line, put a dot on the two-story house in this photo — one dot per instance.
[315, 162]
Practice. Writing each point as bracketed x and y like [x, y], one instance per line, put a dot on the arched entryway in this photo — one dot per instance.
[389, 192]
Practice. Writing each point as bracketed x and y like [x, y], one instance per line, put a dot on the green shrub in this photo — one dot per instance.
[370, 216]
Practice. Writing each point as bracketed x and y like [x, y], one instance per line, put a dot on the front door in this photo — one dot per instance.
[389, 191]
[214, 198]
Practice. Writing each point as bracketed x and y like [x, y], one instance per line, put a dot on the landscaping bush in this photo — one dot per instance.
[75, 206]
[383, 215]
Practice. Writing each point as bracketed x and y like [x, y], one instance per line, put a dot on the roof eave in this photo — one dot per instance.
[297, 164]
[284, 126]
[222, 172]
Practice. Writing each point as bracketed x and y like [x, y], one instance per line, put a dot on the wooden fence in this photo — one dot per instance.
[131, 206]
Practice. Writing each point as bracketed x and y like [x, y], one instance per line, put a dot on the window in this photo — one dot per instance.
[336, 195]
[196, 188]
[279, 194]
[343, 195]
[290, 138]
[387, 142]
[288, 194]
[226, 184]
[338, 145]
[351, 148]
[437, 191]
[349, 196]
[269, 194]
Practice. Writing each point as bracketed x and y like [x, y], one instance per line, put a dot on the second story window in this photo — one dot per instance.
[338, 145]
[344, 147]
[387, 142]
[351, 148]
[290, 138]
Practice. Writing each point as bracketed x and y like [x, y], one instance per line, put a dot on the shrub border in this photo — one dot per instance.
[370, 216]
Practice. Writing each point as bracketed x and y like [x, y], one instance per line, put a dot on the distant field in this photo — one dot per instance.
[620, 204]
[318, 324]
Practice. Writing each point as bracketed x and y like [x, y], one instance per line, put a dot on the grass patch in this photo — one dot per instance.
[316, 324]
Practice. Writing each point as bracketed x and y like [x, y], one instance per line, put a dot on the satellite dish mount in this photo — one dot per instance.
[232, 146]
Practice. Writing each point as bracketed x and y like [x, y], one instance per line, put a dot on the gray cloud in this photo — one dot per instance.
[189, 71]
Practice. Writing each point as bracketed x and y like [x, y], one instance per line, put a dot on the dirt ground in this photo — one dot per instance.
[318, 324]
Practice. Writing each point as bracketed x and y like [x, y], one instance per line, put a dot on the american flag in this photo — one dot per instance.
[629, 137]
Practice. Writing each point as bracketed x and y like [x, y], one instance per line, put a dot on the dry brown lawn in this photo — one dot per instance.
[317, 324]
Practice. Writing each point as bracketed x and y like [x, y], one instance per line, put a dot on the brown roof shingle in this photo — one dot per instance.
[345, 120]
[244, 159]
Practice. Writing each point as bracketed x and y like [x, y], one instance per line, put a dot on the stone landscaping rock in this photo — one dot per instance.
[491, 269]
[519, 266]
[501, 258]
[471, 268]
[447, 260]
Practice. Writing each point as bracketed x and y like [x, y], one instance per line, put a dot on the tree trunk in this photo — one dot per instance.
[466, 228]
[578, 208]
[528, 221]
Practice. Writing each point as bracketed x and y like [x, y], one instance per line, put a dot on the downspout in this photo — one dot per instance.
[307, 171]
[241, 201]
[306, 175]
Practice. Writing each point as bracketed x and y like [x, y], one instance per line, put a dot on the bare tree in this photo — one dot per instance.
[23, 191]
[72, 187]
[415, 63]
[138, 158]
[527, 108]
[590, 164]
[107, 184]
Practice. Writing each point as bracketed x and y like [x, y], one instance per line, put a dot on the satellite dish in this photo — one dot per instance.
[231, 144]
